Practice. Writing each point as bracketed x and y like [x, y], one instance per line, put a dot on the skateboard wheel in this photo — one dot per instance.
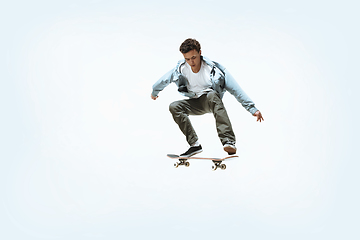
[223, 166]
[176, 165]
[214, 168]
[187, 164]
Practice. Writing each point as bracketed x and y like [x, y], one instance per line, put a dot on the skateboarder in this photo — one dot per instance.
[204, 82]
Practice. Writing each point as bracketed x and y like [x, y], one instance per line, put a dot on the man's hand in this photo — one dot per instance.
[258, 116]
[154, 98]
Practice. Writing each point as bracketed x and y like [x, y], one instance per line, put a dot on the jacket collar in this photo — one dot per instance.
[205, 59]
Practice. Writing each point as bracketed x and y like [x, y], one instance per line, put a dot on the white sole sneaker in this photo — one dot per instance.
[192, 151]
[230, 149]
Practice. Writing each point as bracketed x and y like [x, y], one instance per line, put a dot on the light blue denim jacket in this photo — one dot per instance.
[221, 80]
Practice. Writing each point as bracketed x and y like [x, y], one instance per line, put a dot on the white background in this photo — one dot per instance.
[83, 147]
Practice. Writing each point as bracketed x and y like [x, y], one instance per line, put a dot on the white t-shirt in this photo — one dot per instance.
[199, 82]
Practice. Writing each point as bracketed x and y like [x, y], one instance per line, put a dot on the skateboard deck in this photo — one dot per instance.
[217, 161]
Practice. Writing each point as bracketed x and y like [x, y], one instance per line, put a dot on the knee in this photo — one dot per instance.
[213, 95]
[173, 107]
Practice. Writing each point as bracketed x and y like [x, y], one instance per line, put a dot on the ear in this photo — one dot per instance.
[200, 52]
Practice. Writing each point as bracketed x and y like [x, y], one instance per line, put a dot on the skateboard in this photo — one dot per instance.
[217, 161]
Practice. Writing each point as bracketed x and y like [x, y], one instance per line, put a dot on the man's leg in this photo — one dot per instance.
[223, 124]
[180, 111]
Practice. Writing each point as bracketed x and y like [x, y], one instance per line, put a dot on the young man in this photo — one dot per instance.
[205, 83]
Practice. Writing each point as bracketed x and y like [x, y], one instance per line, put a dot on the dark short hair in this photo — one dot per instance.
[190, 44]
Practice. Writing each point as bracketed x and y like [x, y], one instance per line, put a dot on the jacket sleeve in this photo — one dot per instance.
[233, 87]
[163, 82]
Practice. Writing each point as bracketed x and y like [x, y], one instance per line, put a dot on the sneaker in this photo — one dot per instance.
[229, 148]
[192, 151]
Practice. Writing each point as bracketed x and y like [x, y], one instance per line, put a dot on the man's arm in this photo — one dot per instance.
[233, 87]
[163, 82]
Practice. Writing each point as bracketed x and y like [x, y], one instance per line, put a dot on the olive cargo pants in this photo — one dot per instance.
[208, 102]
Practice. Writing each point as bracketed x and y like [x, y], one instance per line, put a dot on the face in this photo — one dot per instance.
[193, 58]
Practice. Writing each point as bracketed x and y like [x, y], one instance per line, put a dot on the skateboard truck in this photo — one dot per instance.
[182, 162]
[218, 164]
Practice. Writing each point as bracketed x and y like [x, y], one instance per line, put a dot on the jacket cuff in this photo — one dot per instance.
[253, 110]
[155, 93]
